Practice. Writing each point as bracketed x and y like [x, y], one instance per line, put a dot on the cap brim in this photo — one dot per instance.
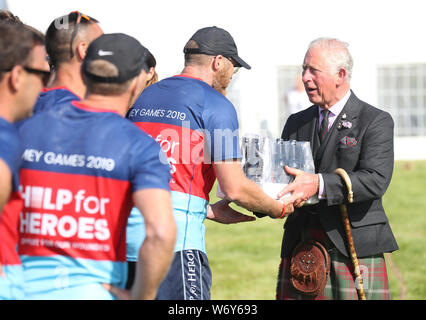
[241, 62]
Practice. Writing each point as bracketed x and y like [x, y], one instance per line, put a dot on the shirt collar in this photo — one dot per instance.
[338, 106]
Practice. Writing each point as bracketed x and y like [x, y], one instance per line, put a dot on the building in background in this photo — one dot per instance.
[402, 89]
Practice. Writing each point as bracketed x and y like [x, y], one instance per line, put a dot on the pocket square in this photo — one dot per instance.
[347, 142]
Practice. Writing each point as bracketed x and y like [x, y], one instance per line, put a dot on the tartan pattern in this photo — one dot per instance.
[324, 125]
[340, 284]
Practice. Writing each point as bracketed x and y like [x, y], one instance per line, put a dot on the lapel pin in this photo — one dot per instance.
[344, 116]
[346, 124]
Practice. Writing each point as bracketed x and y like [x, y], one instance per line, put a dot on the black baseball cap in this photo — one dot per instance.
[213, 41]
[123, 51]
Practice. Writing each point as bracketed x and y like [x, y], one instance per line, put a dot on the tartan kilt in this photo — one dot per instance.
[340, 283]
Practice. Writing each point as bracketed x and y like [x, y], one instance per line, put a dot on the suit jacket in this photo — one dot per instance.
[363, 146]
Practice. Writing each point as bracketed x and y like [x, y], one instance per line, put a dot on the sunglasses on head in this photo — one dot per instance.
[77, 23]
[44, 75]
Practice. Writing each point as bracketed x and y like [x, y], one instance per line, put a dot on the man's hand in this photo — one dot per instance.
[288, 202]
[221, 212]
[305, 185]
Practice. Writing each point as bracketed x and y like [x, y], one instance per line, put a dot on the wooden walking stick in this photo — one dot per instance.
[358, 278]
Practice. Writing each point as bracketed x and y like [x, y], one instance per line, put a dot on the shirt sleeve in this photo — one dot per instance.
[221, 130]
[10, 153]
[321, 192]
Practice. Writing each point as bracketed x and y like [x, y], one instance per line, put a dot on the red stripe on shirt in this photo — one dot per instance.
[185, 152]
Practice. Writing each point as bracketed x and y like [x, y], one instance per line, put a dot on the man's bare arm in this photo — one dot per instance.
[5, 184]
[156, 252]
[246, 193]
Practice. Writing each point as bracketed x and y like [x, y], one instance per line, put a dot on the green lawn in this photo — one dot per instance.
[244, 257]
[405, 204]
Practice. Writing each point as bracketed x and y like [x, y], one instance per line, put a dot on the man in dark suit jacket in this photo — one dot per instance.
[354, 136]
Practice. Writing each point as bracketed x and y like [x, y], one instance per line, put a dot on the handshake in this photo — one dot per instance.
[302, 190]
[283, 170]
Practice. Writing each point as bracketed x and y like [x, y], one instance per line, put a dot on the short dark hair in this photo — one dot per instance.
[6, 15]
[104, 68]
[150, 61]
[16, 43]
[59, 34]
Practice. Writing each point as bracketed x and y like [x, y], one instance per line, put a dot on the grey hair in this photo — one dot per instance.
[339, 56]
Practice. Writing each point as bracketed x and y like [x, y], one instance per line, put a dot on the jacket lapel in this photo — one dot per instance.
[308, 130]
[328, 148]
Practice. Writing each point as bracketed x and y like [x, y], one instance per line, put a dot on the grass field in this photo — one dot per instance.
[244, 257]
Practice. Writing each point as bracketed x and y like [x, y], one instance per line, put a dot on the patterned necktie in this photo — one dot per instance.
[324, 125]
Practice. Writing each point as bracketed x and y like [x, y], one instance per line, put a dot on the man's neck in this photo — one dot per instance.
[198, 72]
[69, 75]
[119, 104]
[6, 105]
[6, 113]
[339, 95]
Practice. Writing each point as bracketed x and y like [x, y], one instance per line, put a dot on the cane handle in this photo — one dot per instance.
[343, 174]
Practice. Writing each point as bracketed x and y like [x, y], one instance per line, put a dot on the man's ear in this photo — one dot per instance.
[341, 76]
[217, 62]
[150, 74]
[16, 78]
[82, 50]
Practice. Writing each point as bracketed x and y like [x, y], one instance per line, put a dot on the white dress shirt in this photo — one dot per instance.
[334, 112]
